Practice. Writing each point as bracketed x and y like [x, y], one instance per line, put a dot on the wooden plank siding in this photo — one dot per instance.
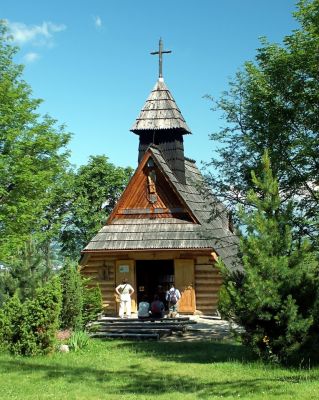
[207, 285]
[135, 204]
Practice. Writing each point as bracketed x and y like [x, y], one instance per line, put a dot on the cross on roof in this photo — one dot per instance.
[160, 52]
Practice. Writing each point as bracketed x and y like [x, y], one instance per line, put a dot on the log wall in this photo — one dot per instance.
[207, 285]
[101, 271]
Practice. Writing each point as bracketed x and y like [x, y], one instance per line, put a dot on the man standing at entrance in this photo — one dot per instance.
[172, 296]
[125, 291]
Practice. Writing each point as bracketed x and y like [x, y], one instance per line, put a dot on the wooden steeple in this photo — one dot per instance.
[161, 123]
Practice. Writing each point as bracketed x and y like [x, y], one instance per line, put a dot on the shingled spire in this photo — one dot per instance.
[161, 123]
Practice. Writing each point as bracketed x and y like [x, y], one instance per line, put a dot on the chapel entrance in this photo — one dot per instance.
[153, 277]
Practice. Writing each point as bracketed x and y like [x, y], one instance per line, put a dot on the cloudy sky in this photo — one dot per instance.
[90, 62]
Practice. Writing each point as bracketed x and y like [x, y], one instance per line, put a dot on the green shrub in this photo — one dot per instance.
[30, 327]
[78, 340]
[10, 317]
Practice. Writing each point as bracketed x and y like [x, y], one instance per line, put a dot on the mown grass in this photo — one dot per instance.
[145, 370]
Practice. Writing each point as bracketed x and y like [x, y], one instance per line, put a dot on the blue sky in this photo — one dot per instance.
[90, 63]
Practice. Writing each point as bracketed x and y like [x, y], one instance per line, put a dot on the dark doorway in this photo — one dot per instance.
[153, 277]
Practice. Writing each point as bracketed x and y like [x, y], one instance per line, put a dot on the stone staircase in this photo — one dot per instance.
[134, 328]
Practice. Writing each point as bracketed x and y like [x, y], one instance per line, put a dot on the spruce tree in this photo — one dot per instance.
[72, 297]
[274, 298]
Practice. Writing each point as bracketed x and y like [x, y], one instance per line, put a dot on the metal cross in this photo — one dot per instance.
[160, 52]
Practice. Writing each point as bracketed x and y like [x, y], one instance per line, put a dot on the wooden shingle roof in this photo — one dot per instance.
[160, 112]
[173, 233]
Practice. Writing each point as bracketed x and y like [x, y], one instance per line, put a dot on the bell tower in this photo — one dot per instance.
[161, 123]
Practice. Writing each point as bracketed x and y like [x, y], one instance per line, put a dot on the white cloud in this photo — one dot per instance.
[39, 35]
[31, 57]
[98, 22]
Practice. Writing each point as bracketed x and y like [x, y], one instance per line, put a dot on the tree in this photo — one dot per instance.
[72, 297]
[34, 179]
[97, 187]
[33, 160]
[276, 296]
[273, 103]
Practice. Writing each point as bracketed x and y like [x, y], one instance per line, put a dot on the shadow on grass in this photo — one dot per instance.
[135, 379]
[193, 352]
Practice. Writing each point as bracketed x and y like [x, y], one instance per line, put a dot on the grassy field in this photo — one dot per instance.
[126, 370]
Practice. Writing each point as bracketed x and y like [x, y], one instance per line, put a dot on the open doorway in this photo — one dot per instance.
[153, 277]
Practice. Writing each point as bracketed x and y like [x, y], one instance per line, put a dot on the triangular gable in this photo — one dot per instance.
[150, 193]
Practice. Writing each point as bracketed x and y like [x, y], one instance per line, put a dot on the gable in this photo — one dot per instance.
[150, 194]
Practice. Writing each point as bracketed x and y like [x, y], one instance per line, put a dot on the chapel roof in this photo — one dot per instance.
[174, 233]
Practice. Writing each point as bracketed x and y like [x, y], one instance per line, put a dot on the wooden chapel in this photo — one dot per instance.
[161, 229]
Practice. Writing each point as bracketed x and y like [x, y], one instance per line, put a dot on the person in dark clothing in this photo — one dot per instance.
[157, 307]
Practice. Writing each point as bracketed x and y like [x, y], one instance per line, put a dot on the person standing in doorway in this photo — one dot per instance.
[172, 296]
[124, 291]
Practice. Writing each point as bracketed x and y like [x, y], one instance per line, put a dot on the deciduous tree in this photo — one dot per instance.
[273, 103]
[97, 187]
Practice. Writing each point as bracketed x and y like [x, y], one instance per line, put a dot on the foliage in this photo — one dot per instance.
[28, 269]
[72, 297]
[29, 328]
[81, 302]
[92, 302]
[98, 181]
[34, 179]
[273, 103]
[10, 318]
[78, 340]
[274, 299]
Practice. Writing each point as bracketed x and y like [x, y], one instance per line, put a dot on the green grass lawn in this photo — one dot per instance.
[147, 370]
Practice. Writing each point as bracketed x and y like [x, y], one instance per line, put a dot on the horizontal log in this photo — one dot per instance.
[201, 296]
[202, 260]
[204, 268]
[207, 271]
[116, 325]
[154, 336]
[208, 281]
[181, 320]
[101, 256]
[123, 329]
[211, 277]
